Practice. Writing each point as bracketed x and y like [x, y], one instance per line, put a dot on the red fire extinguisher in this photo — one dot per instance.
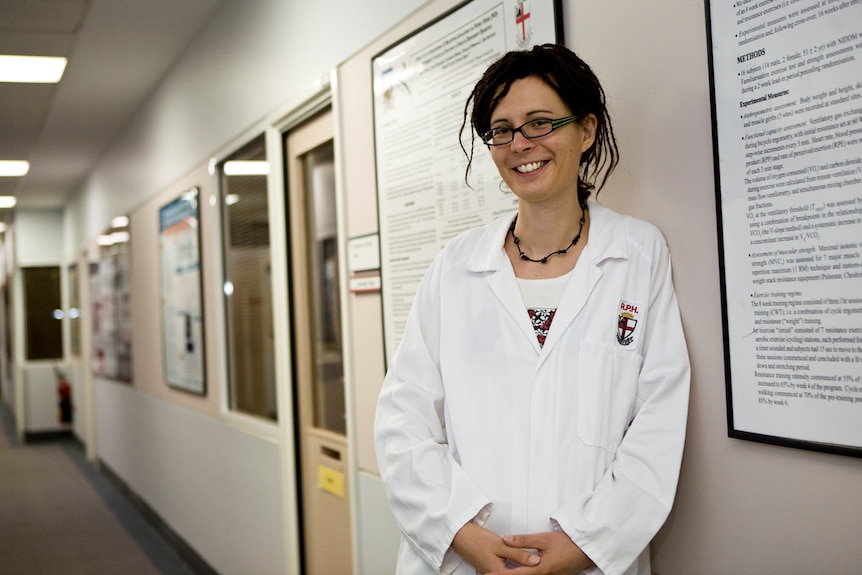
[64, 398]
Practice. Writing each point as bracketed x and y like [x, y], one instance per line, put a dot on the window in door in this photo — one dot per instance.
[328, 384]
[43, 313]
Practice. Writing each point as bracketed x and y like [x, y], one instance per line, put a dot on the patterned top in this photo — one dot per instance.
[541, 298]
[541, 319]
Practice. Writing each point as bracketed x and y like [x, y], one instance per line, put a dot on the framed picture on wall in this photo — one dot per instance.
[786, 82]
[420, 86]
[110, 268]
[181, 293]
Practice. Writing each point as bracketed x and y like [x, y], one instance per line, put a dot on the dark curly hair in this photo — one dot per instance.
[576, 84]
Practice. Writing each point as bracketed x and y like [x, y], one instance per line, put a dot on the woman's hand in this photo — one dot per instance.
[559, 555]
[487, 552]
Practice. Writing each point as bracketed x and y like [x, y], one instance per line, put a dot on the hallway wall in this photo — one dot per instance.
[32, 390]
[213, 476]
[213, 484]
[251, 59]
[742, 507]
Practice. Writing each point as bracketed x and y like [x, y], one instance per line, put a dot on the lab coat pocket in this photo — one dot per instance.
[607, 384]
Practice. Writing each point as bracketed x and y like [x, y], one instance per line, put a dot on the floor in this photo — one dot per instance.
[60, 515]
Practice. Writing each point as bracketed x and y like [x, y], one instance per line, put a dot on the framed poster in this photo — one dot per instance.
[110, 270]
[181, 301]
[787, 115]
[421, 85]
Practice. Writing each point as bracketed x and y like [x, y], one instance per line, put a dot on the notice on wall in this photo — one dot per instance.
[420, 87]
[788, 122]
[111, 313]
[181, 298]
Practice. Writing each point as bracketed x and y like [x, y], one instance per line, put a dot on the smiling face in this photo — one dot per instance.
[545, 168]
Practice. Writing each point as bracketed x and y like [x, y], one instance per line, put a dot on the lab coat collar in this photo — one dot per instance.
[608, 237]
[488, 255]
[607, 240]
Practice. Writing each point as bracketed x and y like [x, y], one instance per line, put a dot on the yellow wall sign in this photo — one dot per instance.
[330, 480]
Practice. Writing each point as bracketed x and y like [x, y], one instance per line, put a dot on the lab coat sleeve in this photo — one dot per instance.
[430, 495]
[616, 522]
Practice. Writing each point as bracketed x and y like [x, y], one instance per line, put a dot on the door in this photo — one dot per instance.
[318, 366]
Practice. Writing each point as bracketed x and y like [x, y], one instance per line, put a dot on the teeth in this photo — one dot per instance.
[532, 167]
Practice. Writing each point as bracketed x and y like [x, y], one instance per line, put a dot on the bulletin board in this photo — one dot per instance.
[787, 115]
[420, 86]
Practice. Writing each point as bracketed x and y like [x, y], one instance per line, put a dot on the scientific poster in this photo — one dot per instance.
[182, 316]
[420, 87]
[111, 313]
[787, 80]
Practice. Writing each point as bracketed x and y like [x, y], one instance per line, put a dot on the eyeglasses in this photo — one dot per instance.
[530, 130]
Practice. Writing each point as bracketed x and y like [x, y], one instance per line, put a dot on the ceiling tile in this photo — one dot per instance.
[8, 186]
[35, 44]
[42, 15]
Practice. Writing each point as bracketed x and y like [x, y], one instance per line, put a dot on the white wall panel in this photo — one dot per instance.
[41, 399]
[378, 534]
[39, 237]
[217, 487]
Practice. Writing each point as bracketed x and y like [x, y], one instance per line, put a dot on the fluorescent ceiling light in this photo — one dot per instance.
[107, 240]
[14, 167]
[8, 201]
[120, 222]
[32, 69]
[246, 168]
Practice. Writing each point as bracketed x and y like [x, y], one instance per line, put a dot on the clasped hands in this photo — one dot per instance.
[555, 553]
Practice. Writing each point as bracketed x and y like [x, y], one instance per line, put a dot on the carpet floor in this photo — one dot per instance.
[59, 515]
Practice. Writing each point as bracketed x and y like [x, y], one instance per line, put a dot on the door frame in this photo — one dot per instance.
[293, 114]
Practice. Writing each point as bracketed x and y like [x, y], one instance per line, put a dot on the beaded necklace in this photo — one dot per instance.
[563, 251]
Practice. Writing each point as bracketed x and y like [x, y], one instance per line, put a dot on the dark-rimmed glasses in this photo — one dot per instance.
[530, 130]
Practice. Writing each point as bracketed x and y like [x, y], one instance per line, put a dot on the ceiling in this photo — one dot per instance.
[118, 50]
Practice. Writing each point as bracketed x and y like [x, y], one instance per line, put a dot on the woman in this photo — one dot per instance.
[532, 419]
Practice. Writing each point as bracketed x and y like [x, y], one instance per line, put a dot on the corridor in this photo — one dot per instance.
[60, 515]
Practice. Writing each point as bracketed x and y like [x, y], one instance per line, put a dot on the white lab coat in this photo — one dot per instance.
[476, 421]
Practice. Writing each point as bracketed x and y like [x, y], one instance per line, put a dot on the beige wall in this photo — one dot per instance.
[742, 507]
[148, 365]
[360, 188]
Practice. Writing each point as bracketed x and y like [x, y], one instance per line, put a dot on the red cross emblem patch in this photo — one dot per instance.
[627, 323]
